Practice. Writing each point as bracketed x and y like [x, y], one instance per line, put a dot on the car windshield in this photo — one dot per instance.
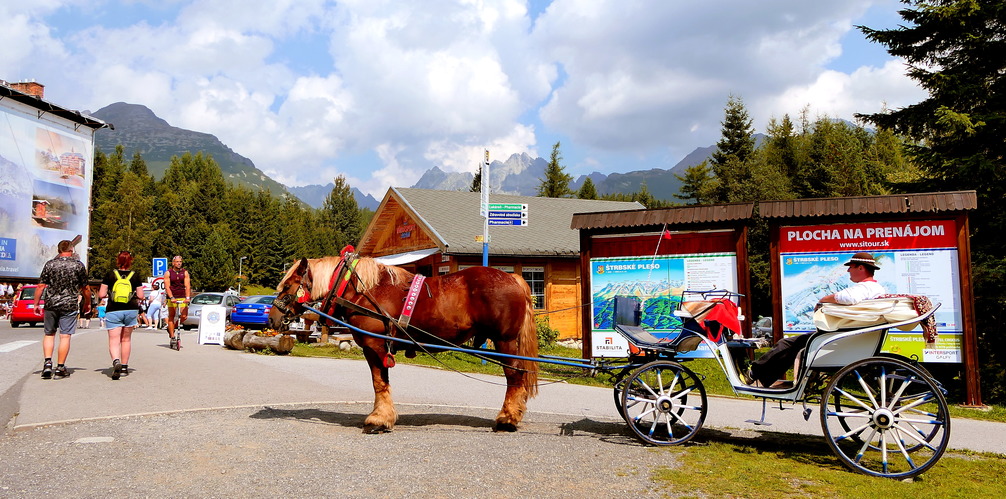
[207, 299]
[264, 300]
[28, 293]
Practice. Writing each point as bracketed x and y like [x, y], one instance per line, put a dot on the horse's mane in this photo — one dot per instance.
[369, 273]
[321, 273]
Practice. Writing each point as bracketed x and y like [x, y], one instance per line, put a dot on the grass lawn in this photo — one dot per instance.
[717, 464]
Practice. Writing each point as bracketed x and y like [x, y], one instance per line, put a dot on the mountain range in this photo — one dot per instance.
[138, 129]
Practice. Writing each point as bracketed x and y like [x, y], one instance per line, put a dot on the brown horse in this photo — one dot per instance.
[477, 303]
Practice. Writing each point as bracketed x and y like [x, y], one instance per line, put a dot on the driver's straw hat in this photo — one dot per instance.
[863, 258]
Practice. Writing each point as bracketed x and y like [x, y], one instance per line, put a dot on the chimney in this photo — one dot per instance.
[31, 88]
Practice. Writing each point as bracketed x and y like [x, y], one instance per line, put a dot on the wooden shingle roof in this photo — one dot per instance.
[929, 202]
[682, 215]
[452, 218]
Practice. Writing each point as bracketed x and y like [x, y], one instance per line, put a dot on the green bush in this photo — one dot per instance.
[546, 335]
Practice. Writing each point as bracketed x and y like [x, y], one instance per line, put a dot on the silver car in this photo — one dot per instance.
[203, 299]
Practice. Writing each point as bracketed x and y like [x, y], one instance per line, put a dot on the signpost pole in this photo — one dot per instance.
[484, 186]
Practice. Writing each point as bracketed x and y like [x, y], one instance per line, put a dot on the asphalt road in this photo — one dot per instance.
[211, 422]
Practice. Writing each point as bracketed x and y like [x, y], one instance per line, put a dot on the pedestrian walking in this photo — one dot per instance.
[61, 283]
[123, 288]
[102, 307]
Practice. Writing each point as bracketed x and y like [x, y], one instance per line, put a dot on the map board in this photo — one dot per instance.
[655, 283]
[918, 258]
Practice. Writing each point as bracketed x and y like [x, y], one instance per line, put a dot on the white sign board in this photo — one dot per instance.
[212, 322]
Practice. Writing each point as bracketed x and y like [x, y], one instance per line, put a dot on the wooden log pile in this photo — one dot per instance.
[240, 339]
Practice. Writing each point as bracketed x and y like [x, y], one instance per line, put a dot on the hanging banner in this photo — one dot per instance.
[917, 258]
[46, 169]
[646, 290]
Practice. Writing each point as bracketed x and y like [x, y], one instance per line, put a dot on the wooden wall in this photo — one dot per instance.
[562, 295]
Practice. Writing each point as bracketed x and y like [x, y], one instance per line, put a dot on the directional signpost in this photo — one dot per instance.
[507, 214]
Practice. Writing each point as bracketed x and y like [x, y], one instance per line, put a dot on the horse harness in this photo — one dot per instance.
[342, 279]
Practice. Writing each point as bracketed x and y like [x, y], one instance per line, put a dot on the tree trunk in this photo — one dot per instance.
[281, 344]
[234, 339]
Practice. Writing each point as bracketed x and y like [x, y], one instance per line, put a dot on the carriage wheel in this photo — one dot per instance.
[664, 403]
[847, 423]
[887, 418]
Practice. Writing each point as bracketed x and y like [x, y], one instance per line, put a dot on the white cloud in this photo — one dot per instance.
[310, 89]
[836, 94]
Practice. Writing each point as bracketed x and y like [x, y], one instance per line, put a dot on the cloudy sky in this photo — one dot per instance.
[380, 91]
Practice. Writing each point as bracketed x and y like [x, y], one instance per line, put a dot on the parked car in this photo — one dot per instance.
[762, 328]
[23, 309]
[253, 312]
[203, 299]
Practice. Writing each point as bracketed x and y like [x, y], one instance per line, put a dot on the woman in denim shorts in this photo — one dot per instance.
[121, 312]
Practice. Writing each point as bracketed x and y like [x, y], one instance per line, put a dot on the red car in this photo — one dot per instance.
[24, 307]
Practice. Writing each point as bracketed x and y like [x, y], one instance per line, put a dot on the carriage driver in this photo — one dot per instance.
[773, 365]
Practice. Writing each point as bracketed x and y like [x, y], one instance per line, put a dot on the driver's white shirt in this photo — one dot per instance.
[866, 289]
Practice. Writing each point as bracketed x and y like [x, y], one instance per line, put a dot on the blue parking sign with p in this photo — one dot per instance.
[160, 266]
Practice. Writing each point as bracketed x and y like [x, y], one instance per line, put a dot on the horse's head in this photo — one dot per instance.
[293, 291]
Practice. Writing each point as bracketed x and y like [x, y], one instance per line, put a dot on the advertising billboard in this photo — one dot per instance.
[46, 170]
[915, 258]
[645, 290]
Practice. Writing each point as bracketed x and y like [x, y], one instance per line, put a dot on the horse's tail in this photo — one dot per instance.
[527, 344]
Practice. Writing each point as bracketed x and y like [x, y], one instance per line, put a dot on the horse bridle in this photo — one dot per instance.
[286, 300]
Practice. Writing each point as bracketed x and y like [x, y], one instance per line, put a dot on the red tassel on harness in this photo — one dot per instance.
[389, 361]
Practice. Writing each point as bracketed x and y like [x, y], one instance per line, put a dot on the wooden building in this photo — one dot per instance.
[437, 232]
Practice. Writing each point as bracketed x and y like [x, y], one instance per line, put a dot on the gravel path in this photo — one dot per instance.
[303, 451]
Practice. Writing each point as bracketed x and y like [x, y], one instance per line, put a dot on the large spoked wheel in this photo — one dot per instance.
[885, 417]
[664, 403]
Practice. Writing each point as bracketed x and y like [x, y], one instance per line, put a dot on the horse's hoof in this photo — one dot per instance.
[508, 427]
[372, 429]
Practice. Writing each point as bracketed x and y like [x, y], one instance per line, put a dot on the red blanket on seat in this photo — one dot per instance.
[922, 305]
[722, 311]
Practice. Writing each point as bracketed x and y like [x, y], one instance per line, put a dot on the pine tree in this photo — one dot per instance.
[587, 190]
[341, 215]
[956, 51]
[730, 161]
[556, 181]
[476, 181]
[697, 185]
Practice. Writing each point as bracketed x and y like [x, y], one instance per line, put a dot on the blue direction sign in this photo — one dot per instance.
[507, 221]
[160, 266]
[507, 214]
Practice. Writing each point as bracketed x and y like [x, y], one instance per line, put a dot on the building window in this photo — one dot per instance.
[535, 277]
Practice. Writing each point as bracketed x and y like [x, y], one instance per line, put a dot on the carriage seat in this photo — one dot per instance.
[886, 309]
[642, 338]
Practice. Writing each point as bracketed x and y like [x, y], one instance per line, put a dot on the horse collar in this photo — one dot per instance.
[410, 300]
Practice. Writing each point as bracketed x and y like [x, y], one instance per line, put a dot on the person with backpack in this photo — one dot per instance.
[123, 289]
